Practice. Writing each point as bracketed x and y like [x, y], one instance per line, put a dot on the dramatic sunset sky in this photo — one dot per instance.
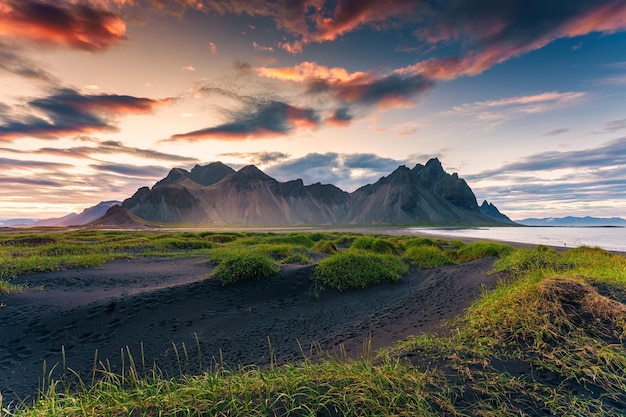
[524, 99]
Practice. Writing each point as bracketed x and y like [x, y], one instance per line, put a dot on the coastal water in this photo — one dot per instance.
[610, 238]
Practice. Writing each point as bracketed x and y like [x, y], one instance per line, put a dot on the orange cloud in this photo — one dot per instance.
[79, 26]
[307, 70]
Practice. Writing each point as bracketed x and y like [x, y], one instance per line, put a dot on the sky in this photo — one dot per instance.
[524, 99]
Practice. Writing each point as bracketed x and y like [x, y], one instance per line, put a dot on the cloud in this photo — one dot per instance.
[132, 170]
[258, 158]
[213, 47]
[352, 89]
[189, 68]
[495, 31]
[340, 118]
[497, 111]
[609, 155]
[266, 120]
[318, 21]
[67, 112]
[78, 25]
[112, 148]
[347, 171]
[260, 48]
[556, 132]
[8, 164]
[615, 125]
[28, 181]
[14, 61]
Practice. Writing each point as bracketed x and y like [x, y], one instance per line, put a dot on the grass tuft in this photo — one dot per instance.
[427, 257]
[245, 266]
[352, 269]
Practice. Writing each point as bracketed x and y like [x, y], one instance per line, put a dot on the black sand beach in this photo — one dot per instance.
[155, 303]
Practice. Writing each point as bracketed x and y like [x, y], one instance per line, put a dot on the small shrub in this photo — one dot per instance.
[353, 269]
[245, 266]
[325, 246]
[427, 257]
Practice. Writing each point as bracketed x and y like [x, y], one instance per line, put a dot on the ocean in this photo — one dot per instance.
[609, 238]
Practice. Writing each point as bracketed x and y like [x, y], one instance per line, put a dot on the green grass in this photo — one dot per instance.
[549, 340]
[372, 244]
[476, 250]
[244, 266]
[325, 246]
[427, 257]
[352, 269]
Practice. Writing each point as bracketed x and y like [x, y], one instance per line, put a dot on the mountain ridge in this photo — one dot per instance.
[573, 221]
[216, 194]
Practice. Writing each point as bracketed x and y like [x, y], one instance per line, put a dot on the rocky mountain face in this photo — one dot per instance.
[216, 194]
[489, 210]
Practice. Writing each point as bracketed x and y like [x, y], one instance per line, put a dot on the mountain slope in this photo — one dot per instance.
[86, 216]
[216, 194]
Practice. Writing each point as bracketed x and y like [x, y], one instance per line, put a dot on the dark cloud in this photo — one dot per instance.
[317, 21]
[268, 119]
[340, 118]
[370, 161]
[260, 158]
[78, 25]
[611, 154]
[346, 171]
[493, 31]
[68, 112]
[556, 132]
[132, 170]
[386, 92]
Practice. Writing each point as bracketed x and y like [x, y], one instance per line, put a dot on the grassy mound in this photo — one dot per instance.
[427, 257]
[244, 266]
[353, 269]
[325, 246]
[476, 250]
[372, 244]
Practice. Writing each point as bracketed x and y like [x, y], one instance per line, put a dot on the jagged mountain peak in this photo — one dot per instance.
[175, 175]
[210, 174]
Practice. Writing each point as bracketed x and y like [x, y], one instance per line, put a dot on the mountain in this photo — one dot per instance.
[492, 211]
[86, 216]
[570, 221]
[216, 194]
[17, 222]
[119, 217]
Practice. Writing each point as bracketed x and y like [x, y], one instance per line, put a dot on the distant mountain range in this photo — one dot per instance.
[570, 221]
[73, 219]
[216, 194]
